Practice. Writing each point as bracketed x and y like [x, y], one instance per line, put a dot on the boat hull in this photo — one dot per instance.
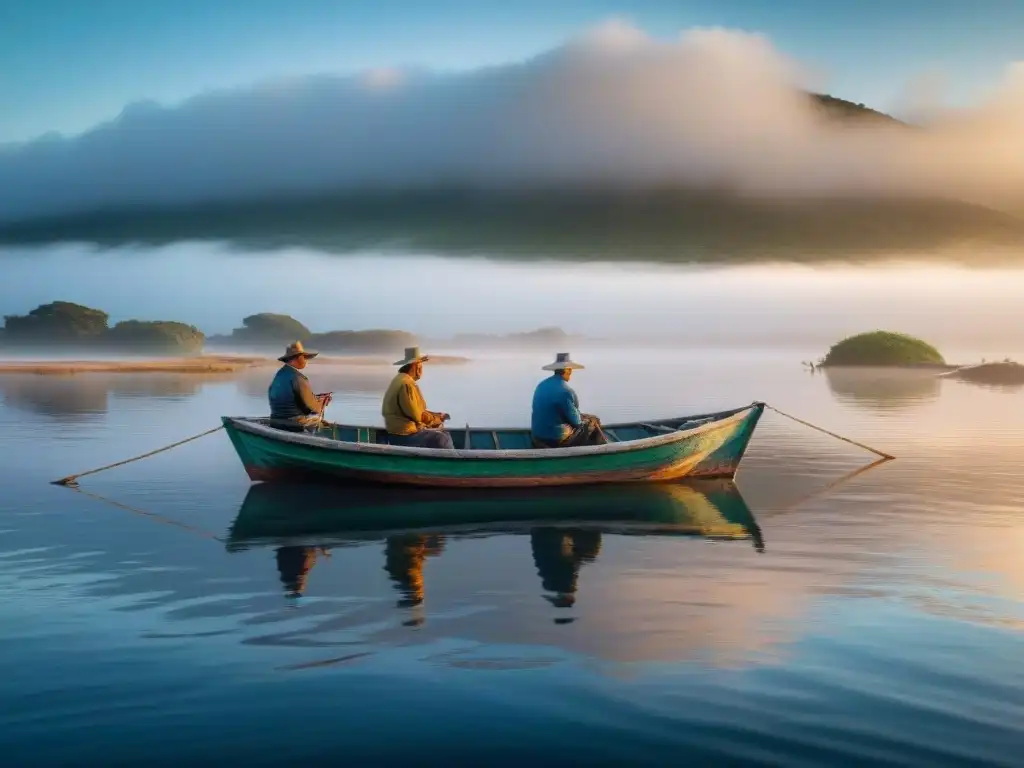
[711, 450]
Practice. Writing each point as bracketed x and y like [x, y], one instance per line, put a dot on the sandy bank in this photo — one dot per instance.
[204, 364]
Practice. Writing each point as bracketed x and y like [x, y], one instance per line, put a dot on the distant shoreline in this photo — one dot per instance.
[672, 226]
[199, 365]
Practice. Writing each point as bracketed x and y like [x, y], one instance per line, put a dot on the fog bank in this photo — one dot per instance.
[612, 109]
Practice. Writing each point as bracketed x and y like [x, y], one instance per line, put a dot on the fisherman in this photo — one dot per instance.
[557, 421]
[405, 413]
[293, 406]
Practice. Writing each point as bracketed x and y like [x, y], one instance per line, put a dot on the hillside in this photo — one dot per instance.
[662, 225]
[848, 110]
[672, 225]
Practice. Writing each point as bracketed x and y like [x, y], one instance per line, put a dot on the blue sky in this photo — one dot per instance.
[66, 65]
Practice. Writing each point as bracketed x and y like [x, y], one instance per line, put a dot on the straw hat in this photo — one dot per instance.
[295, 350]
[562, 361]
[412, 355]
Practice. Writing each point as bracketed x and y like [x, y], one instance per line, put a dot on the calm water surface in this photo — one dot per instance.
[872, 620]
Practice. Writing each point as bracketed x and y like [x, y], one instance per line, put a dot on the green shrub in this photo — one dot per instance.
[57, 323]
[269, 328]
[882, 348]
[162, 337]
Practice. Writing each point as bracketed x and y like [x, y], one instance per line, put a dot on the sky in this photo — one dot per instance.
[66, 65]
[610, 108]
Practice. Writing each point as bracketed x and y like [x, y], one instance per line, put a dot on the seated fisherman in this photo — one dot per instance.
[293, 406]
[405, 413]
[557, 421]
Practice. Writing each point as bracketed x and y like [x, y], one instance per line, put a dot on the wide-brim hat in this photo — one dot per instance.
[412, 355]
[297, 350]
[562, 361]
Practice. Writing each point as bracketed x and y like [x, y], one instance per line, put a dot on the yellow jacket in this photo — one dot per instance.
[404, 410]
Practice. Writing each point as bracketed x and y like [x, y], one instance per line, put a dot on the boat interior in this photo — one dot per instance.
[485, 439]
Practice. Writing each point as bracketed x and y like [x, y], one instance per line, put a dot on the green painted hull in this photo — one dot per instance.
[320, 515]
[712, 448]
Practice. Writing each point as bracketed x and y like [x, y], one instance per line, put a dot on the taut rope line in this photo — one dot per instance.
[883, 454]
[72, 480]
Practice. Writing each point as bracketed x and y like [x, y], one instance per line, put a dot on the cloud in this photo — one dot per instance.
[612, 108]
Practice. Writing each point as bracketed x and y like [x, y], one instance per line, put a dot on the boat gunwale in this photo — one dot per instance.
[251, 425]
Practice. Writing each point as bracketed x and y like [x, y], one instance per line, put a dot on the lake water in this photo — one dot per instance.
[877, 620]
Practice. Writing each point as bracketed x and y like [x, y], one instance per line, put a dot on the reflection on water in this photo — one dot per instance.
[882, 620]
[564, 525]
[558, 554]
[404, 556]
[320, 514]
[294, 565]
[71, 398]
[82, 397]
[883, 388]
[87, 396]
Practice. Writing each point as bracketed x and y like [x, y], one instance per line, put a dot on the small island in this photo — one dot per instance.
[63, 338]
[883, 349]
[66, 326]
[268, 332]
[1003, 374]
[899, 351]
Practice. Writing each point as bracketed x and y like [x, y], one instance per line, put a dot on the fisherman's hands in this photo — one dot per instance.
[443, 417]
[324, 399]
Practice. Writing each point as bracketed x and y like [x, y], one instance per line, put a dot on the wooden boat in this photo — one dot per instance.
[280, 514]
[707, 445]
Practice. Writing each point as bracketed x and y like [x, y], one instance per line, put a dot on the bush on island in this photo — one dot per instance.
[160, 337]
[267, 328]
[57, 323]
[882, 348]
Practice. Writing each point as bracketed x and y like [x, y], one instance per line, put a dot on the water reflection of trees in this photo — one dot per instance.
[882, 388]
[74, 399]
[87, 396]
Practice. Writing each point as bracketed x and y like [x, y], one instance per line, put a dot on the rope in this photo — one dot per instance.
[831, 486]
[150, 515]
[72, 480]
[831, 434]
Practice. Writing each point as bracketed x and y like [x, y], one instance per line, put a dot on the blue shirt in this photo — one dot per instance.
[290, 395]
[556, 409]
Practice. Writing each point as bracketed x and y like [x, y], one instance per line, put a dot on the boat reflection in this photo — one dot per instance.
[565, 526]
[294, 565]
[558, 554]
